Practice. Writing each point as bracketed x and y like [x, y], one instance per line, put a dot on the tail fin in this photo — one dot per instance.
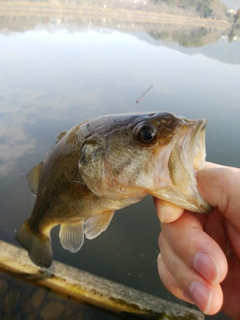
[38, 245]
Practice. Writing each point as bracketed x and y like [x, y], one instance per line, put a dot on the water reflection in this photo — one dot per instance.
[21, 300]
[166, 20]
[64, 62]
[14, 141]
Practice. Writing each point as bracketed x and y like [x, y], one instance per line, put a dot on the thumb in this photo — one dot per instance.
[166, 211]
[220, 187]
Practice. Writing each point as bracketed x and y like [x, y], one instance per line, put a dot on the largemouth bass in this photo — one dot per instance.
[107, 163]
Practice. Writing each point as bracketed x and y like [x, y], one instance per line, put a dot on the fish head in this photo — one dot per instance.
[132, 155]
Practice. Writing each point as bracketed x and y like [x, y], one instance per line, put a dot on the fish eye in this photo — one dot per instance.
[146, 133]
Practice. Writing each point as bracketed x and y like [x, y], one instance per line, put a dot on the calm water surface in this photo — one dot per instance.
[57, 71]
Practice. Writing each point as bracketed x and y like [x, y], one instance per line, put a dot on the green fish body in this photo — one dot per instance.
[107, 163]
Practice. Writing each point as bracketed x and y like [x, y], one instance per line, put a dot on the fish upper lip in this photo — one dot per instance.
[192, 146]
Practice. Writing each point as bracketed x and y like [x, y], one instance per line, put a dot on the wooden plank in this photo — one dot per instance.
[85, 287]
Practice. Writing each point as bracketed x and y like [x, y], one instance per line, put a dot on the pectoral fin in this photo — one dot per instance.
[72, 235]
[97, 224]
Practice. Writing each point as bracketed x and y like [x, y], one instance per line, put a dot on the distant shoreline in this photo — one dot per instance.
[59, 10]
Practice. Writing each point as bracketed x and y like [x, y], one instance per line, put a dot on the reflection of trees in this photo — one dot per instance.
[203, 8]
[231, 35]
[74, 15]
[213, 9]
[235, 31]
[194, 37]
[237, 16]
[10, 24]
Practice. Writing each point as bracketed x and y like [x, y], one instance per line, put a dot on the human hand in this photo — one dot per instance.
[200, 254]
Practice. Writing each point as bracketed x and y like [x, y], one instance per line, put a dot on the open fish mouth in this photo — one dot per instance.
[192, 152]
[186, 158]
[197, 151]
[188, 154]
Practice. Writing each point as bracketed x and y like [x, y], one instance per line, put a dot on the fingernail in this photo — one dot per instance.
[207, 266]
[201, 295]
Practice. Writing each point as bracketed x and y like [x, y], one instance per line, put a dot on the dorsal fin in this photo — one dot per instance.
[33, 177]
[61, 135]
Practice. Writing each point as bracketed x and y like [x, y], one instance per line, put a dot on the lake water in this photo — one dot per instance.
[59, 67]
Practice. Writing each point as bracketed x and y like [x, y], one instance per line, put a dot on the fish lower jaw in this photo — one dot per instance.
[190, 200]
